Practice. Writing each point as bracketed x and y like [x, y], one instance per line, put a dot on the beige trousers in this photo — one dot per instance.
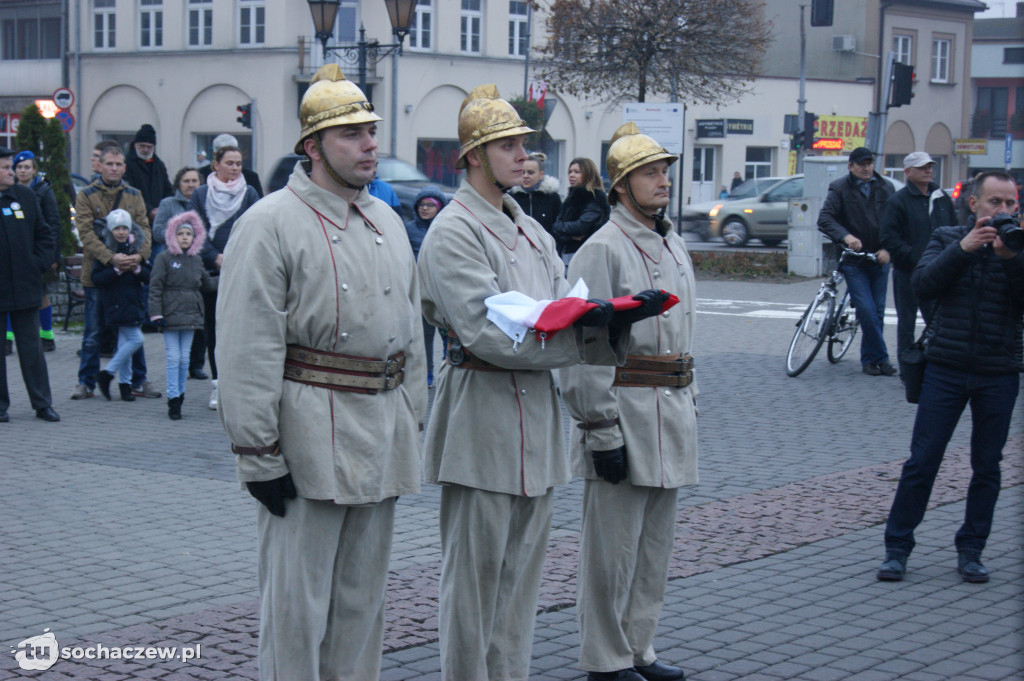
[625, 548]
[323, 569]
[493, 548]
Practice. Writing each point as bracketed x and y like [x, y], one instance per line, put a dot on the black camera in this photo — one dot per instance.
[1009, 231]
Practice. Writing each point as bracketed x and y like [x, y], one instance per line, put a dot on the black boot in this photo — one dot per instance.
[126, 392]
[174, 408]
[103, 380]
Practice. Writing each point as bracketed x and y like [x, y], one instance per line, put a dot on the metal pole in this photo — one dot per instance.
[801, 101]
[394, 94]
[362, 58]
[80, 122]
[253, 121]
[526, 64]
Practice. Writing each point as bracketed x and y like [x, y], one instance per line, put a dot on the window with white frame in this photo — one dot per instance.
[200, 23]
[518, 29]
[104, 24]
[901, 45]
[940, 60]
[758, 162]
[422, 33]
[346, 25]
[471, 17]
[251, 22]
[151, 23]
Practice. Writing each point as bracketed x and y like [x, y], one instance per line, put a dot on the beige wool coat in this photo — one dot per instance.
[305, 267]
[658, 425]
[499, 431]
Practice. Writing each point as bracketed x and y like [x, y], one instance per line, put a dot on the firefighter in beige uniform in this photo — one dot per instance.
[495, 435]
[636, 437]
[323, 390]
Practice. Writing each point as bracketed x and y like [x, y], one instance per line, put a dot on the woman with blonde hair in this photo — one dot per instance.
[585, 209]
[538, 195]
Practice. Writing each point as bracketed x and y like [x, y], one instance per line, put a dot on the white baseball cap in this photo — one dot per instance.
[917, 159]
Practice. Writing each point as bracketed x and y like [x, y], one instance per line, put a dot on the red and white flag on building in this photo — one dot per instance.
[538, 89]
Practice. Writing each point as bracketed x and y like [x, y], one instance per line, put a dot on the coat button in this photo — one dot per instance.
[379, 241]
[344, 337]
[668, 392]
[344, 287]
[656, 274]
[665, 314]
[512, 261]
[334, 239]
[392, 339]
[387, 290]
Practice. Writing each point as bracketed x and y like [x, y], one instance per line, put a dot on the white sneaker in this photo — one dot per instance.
[213, 396]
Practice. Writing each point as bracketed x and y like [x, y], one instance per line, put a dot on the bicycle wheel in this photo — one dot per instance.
[811, 332]
[844, 330]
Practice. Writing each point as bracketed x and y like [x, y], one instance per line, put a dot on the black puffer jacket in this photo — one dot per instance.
[582, 214]
[121, 294]
[979, 314]
[909, 218]
[26, 249]
[848, 211]
[542, 203]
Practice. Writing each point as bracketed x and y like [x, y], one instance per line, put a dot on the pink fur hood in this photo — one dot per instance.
[192, 219]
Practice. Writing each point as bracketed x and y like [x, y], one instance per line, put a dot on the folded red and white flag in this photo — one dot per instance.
[516, 313]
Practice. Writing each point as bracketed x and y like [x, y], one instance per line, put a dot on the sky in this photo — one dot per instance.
[997, 9]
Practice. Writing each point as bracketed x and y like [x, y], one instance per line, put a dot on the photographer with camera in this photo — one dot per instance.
[974, 274]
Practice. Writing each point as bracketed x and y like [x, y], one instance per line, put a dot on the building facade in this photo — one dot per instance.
[997, 94]
[184, 66]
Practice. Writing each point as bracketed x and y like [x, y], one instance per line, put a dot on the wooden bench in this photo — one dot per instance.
[71, 274]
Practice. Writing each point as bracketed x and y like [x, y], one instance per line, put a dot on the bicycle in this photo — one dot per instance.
[825, 319]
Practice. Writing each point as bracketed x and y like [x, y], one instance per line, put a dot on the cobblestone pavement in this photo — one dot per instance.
[122, 528]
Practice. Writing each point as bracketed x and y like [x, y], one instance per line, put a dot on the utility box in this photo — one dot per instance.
[810, 252]
[805, 256]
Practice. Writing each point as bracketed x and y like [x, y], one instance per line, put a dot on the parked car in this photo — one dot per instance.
[764, 215]
[697, 216]
[404, 178]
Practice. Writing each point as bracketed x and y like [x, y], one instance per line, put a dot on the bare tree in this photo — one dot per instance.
[704, 50]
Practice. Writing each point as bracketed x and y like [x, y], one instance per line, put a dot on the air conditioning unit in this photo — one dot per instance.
[844, 43]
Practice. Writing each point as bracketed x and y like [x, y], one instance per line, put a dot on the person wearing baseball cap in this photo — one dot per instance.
[322, 389]
[909, 218]
[852, 216]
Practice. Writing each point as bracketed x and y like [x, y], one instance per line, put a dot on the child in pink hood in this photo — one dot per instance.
[176, 301]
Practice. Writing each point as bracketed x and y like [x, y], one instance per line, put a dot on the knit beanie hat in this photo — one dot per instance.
[146, 134]
[119, 217]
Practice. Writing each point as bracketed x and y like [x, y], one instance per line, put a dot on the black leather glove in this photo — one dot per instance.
[272, 493]
[610, 464]
[599, 316]
[651, 301]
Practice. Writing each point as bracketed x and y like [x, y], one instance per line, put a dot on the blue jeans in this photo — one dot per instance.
[89, 364]
[177, 345]
[867, 291]
[129, 339]
[944, 394]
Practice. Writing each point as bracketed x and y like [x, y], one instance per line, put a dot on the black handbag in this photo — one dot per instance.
[912, 364]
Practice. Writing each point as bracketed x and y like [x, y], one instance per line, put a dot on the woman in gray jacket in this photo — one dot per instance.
[176, 301]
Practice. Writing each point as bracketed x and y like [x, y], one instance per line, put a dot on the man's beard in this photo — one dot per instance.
[146, 156]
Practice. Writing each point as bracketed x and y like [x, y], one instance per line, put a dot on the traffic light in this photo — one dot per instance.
[821, 12]
[902, 84]
[809, 121]
[245, 117]
[796, 140]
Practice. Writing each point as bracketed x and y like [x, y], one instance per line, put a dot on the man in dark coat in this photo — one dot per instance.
[146, 172]
[907, 223]
[26, 251]
[977, 284]
[852, 215]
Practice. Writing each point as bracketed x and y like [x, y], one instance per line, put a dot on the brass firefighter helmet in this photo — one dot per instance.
[631, 149]
[331, 100]
[485, 116]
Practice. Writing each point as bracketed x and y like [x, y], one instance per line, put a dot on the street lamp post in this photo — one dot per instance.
[364, 53]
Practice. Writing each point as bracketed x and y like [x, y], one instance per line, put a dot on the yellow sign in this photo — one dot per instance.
[970, 146]
[851, 130]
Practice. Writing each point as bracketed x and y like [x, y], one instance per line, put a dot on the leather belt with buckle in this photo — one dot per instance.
[343, 372]
[460, 357]
[641, 371]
